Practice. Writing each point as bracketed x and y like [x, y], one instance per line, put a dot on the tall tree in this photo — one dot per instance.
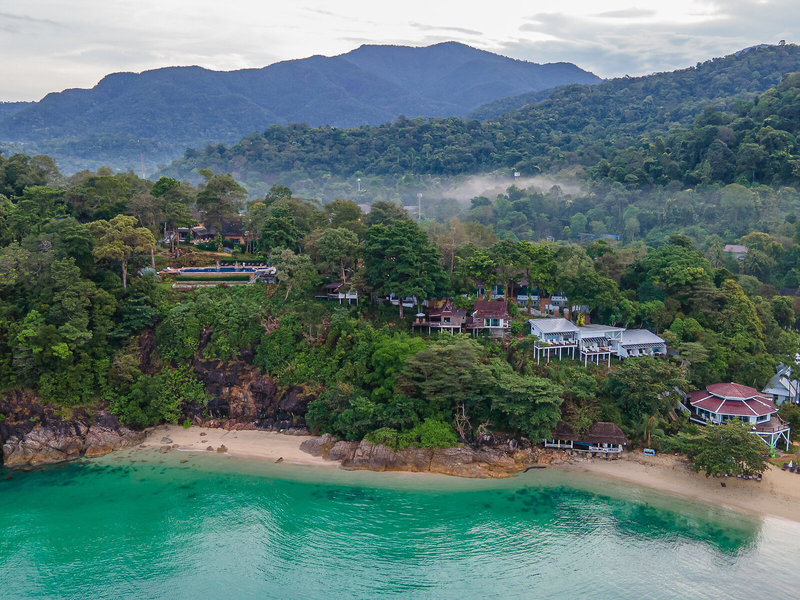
[338, 247]
[220, 199]
[118, 239]
[294, 271]
[400, 260]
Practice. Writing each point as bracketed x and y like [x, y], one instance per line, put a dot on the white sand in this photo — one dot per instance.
[265, 445]
[777, 495]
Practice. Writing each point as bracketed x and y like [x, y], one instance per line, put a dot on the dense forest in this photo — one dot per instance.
[577, 126]
[79, 300]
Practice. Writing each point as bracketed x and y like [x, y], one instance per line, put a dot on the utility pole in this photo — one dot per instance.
[419, 206]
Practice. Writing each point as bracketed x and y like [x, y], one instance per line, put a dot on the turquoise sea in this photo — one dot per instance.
[177, 526]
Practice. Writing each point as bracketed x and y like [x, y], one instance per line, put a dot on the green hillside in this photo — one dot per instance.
[575, 126]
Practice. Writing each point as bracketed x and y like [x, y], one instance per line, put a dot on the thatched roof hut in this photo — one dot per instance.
[603, 432]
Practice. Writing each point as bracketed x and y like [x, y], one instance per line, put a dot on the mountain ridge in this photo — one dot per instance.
[171, 108]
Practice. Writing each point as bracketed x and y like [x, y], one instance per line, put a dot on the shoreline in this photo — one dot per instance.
[778, 495]
[249, 443]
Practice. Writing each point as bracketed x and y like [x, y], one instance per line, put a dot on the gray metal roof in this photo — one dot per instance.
[639, 336]
[555, 325]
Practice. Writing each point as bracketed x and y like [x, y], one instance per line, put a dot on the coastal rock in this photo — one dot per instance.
[107, 435]
[243, 398]
[318, 446]
[41, 446]
[461, 461]
[342, 451]
[34, 434]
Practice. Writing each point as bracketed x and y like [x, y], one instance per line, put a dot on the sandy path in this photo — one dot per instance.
[265, 445]
[777, 495]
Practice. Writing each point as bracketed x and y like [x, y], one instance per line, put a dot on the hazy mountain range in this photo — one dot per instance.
[163, 111]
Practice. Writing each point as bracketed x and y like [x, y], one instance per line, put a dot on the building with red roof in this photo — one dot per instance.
[490, 316]
[722, 402]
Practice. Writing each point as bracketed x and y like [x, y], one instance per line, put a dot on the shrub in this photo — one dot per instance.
[517, 328]
[431, 433]
[386, 436]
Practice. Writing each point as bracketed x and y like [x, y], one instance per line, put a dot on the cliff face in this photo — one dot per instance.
[243, 398]
[462, 461]
[32, 434]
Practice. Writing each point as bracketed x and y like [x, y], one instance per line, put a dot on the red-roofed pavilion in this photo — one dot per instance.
[723, 402]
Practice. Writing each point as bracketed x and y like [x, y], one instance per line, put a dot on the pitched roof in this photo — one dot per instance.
[597, 329]
[490, 309]
[601, 432]
[604, 432]
[556, 325]
[733, 391]
[632, 337]
[736, 248]
[732, 399]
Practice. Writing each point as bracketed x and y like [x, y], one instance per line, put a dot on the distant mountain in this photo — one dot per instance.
[161, 112]
[10, 108]
[749, 71]
[575, 126]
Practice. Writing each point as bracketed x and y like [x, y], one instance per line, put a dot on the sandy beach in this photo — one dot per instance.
[265, 445]
[777, 495]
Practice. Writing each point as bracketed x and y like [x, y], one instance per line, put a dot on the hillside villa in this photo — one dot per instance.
[722, 402]
[489, 316]
[554, 337]
[337, 291]
[782, 388]
[441, 317]
[558, 336]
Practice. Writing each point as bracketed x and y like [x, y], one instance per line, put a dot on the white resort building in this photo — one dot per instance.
[782, 388]
[559, 337]
[555, 337]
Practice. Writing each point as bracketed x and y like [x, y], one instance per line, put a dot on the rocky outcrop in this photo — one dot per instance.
[462, 461]
[244, 398]
[32, 434]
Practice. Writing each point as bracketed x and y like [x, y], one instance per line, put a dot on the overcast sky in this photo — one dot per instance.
[50, 45]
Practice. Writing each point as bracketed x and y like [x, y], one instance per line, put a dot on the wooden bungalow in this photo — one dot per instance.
[722, 402]
[555, 336]
[490, 316]
[444, 318]
[337, 291]
[602, 437]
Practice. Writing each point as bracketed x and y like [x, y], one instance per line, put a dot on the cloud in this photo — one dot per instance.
[612, 46]
[627, 13]
[25, 18]
[464, 30]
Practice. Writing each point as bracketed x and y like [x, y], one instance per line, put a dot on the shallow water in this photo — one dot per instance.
[151, 526]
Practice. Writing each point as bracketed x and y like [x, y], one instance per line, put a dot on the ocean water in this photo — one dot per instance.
[180, 526]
